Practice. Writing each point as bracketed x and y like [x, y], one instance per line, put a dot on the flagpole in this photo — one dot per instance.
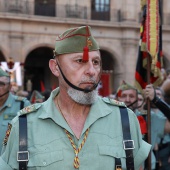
[148, 112]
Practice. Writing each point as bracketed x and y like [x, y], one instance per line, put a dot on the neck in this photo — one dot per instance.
[74, 114]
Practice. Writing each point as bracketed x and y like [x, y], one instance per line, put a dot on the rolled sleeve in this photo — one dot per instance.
[4, 165]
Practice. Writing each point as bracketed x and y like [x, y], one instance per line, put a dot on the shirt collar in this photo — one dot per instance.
[98, 109]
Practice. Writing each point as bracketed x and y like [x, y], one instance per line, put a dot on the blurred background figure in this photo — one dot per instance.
[46, 94]
[9, 104]
[22, 93]
[14, 88]
[140, 101]
[128, 94]
[37, 97]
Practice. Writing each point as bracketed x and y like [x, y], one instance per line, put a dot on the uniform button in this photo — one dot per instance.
[44, 163]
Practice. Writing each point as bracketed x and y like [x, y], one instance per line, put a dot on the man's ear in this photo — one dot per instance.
[54, 67]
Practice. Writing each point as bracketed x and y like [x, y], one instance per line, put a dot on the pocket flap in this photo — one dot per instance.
[117, 152]
[45, 158]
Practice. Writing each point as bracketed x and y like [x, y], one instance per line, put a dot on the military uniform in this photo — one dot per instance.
[164, 148]
[8, 111]
[50, 148]
[157, 131]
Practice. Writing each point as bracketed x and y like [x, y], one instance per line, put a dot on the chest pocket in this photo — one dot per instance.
[108, 154]
[115, 152]
[43, 160]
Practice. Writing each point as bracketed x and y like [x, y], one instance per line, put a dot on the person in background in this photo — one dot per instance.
[76, 128]
[129, 95]
[14, 88]
[36, 97]
[160, 108]
[22, 93]
[9, 105]
[46, 94]
[140, 102]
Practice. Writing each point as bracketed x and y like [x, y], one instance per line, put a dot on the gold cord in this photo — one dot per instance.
[76, 162]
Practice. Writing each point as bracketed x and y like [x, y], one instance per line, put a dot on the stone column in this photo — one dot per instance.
[129, 8]
[130, 47]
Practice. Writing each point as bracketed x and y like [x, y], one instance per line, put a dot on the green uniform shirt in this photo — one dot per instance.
[157, 131]
[50, 148]
[8, 111]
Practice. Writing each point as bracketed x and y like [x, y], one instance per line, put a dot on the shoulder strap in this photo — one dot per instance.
[23, 154]
[128, 143]
[22, 105]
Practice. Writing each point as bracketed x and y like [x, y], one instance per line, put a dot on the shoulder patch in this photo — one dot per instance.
[7, 134]
[113, 102]
[29, 109]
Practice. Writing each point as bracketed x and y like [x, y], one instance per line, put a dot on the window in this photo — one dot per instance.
[45, 7]
[100, 10]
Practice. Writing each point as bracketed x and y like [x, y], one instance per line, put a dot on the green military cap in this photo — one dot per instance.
[36, 96]
[124, 86]
[3, 73]
[75, 40]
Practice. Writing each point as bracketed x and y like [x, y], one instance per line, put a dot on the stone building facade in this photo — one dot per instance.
[28, 29]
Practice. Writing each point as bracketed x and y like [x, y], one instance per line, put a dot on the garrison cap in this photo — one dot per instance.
[36, 95]
[3, 73]
[124, 86]
[75, 40]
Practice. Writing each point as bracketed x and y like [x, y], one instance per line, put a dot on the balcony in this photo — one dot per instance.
[50, 8]
[43, 9]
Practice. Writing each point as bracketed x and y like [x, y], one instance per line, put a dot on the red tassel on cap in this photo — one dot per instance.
[85, 54]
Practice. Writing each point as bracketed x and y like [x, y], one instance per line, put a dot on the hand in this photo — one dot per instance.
[149, 92]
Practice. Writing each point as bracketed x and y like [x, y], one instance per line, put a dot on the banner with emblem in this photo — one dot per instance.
[150, 44]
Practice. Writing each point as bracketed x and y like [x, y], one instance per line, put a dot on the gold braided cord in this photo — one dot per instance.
[76, 151]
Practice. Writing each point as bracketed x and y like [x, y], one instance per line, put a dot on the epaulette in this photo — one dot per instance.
[19, 98]
[29, 109]
[113, 102]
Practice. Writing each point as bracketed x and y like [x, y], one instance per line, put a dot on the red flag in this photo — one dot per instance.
[150, 44]
[42, 86]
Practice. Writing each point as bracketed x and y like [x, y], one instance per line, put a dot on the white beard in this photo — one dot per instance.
[82, 97]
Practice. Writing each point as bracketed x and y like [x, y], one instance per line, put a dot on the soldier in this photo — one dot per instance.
[36, 97]
[9, 104]
[128, 94]
[75, 128]
[162, 109]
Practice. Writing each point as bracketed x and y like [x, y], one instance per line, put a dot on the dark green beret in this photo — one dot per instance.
[74, 40]
[3, 73]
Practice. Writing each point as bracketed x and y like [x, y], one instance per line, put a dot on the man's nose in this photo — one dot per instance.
[90, 70]
[127, 98]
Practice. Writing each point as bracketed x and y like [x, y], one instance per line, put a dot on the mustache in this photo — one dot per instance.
[88, 80]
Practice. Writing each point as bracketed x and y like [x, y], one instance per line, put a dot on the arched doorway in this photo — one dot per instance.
[36, 69]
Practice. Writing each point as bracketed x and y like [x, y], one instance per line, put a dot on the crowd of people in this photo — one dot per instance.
[75, 128]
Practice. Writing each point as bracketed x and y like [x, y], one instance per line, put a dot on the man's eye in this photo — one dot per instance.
[96, 62]
[79, 60]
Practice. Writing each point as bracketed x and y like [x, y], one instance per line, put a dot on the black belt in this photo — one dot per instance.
[128, 144]
[23, 154]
